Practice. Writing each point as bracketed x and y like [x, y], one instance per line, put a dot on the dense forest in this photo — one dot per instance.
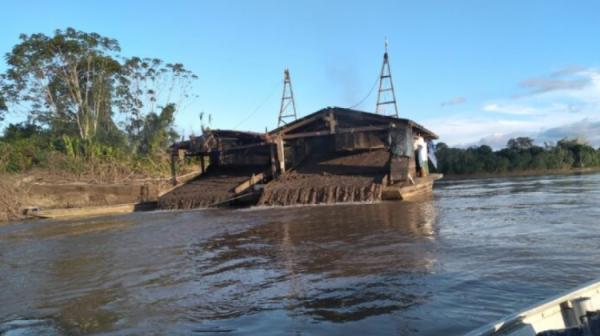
[519, 155]
[87, 108]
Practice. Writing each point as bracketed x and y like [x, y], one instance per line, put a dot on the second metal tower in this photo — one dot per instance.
[386, 97]
[287, 110]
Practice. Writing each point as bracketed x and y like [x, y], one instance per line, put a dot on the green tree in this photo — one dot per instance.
[487, 158]
[583, 154]
[65, 78]
[157, 131]
[21, 131]
[539, 160]
[150, 91]
[520, 155]
[69, 86]
[3, 107]
[520, 143]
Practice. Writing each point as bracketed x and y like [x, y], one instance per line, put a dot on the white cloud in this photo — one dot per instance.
[570, 78]
[510, 109]
[454, 101]
[467, 131]
[549, 111]
[585, 129]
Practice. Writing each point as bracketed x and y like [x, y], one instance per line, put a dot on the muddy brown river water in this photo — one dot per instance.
[474, 252]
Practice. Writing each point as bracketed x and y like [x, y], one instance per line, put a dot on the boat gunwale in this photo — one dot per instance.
[515, 321]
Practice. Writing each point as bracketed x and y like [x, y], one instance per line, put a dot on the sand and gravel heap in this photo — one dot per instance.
[347, 177]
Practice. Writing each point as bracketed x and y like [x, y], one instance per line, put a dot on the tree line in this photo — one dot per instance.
[84, 101]
[519, 155]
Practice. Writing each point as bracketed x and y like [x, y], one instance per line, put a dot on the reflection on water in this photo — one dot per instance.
[307, 266]
[442, 265]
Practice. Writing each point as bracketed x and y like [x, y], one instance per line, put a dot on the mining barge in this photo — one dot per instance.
[334, 155]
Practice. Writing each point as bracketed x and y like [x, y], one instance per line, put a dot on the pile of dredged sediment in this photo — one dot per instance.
[346, 177]
[214, 188]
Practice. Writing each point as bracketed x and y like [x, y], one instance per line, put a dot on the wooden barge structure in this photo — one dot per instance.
[333, 155]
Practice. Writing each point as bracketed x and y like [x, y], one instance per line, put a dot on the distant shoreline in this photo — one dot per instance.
[523, 173]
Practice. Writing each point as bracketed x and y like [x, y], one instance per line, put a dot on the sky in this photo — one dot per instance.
[474, 72]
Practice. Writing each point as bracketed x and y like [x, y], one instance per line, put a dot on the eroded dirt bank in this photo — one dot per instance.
[11, 198]
[19, 194]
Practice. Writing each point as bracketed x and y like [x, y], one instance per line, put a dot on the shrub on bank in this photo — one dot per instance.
[519, 156]
[22, 151]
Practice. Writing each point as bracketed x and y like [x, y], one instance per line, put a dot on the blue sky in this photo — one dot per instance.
[473, 71]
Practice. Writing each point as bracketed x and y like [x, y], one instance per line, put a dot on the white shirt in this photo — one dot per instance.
[421, 147]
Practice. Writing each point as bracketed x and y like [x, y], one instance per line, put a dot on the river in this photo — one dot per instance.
[471, 253]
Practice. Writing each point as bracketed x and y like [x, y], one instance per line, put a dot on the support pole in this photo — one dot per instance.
[331, 121]
[280, 155]
[173, 168]
[273, 164]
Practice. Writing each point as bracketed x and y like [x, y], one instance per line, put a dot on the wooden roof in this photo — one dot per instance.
[314, 124]
[360, 118]
[242, 135]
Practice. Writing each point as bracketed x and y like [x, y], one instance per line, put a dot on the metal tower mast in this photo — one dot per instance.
[386, 95]
[287, 110]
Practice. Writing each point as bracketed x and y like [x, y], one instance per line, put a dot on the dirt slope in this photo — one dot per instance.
[212, 188]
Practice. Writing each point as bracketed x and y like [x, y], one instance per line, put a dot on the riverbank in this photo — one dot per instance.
[524, 173]
[40, 194]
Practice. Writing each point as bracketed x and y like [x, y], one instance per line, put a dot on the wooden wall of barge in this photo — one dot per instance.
[360, 141]
[298, 150]
[254, 156]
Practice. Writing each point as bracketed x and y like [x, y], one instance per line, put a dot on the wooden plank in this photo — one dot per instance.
[236, 134]
[181, 181]
[339, 130]
[399, 169]
[306, 135]
[233, 149]
[364, 129]
[254, 179]
[396, 192]
[93, 211]
[363, 116]
[405, 191]
[299, 123]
